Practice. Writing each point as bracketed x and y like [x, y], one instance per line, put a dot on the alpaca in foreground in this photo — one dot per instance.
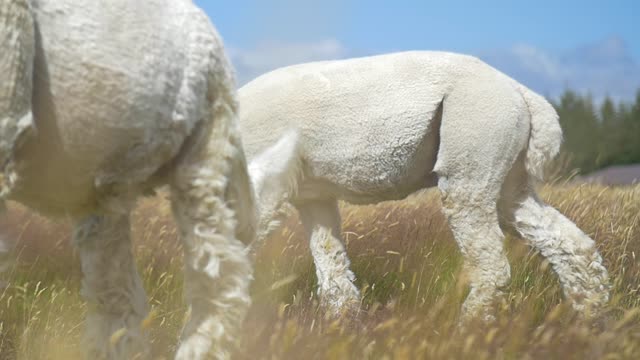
[127, 96]
[380, 128]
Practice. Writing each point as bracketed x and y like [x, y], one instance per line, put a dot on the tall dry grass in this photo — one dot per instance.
[407, 266]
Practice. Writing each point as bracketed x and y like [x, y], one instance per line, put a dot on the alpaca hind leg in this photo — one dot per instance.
[485, 126]
[336, 289]
[474, 222]
[212, 204]
[217, 269]
[572, 254]
[112, 287]
[17, 41]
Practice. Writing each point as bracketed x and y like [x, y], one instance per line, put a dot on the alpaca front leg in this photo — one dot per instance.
[335, 280]
[275, 174]
[112, 287]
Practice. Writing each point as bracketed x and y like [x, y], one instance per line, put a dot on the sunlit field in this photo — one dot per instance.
[407, 266]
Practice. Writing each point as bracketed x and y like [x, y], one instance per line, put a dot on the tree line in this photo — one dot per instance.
[597, 135]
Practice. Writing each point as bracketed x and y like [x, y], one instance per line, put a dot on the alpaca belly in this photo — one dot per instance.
[382, 182]
[390, 170]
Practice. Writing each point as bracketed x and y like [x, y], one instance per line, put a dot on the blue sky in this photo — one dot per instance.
[590, 46]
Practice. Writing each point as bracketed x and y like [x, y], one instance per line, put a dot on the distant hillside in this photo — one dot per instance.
[615, 175]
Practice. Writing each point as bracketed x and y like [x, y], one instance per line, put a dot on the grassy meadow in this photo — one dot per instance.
[407, 267]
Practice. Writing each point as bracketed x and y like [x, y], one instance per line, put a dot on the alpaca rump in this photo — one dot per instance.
[127, 96]
[379, 128]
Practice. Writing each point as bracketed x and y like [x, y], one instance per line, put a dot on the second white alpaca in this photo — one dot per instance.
[379, 128]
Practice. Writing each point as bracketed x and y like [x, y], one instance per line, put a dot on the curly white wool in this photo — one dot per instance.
[127, 96]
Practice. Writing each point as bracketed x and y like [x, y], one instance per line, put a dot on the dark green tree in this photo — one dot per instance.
[596, 136]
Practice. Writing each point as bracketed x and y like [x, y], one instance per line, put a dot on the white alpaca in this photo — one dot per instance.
[129, 95]
[379, 128]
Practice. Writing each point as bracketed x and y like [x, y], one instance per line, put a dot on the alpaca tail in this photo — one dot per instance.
[275, 174]
[226, 130]
[545, 135]
[240, 191]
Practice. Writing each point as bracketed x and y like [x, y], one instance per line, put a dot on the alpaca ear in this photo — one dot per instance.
[274, 171]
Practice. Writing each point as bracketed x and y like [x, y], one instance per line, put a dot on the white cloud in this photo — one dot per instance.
[268, 56]
[536, 61]
[601, 68]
